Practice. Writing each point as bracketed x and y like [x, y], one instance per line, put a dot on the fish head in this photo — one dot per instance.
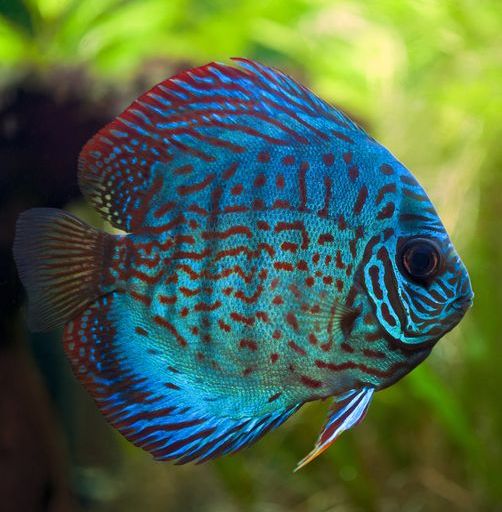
[414, 281]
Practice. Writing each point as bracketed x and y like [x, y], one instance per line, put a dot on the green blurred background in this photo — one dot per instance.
[424, 77]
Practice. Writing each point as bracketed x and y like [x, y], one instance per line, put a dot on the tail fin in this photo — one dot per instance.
[60, 262]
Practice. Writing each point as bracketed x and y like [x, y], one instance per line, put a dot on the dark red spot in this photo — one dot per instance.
[274, 357]
[276, 334]
[260, 180]
[302, 265]
[224, 326]
[170, 327]
[184, 169]
[328, 158]
[165, 208]
[375, 354]
[275, 397]
[294, 290]
[140, 297]
[289, 246]
[184, 190]
[228, 173]
[323, 212]
[263, 157]
[361, 199]
[292, 320]
[297, 348]
[390, 187]
[203, 306]
[249, 344]
[288, 160]
[258, 204]
[386, 212]
[280, 203]
[387, 233]
[283, 265]
[310, 383]
[247, 320]
[386, 169]
[236, 190]
[279, 181]
[325, 238]
[262, 315]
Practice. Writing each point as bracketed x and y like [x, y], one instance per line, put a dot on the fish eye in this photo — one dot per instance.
[420, 259]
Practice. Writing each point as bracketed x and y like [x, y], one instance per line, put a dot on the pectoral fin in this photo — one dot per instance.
[346, 411]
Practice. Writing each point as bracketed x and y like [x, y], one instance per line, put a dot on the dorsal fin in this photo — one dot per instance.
[188, 135]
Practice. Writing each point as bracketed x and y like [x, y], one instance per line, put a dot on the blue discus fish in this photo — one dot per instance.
[273, 254]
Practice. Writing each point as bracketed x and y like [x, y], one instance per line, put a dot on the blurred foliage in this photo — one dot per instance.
[425, 77]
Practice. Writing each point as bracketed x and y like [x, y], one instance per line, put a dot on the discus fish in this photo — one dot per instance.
[273, 254]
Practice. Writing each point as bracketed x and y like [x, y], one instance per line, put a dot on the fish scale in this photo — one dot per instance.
[274, 255]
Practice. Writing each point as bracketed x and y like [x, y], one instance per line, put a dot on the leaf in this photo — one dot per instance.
[16, 12]
[428, 387]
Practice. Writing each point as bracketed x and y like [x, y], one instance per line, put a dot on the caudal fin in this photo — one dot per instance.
[60, 262]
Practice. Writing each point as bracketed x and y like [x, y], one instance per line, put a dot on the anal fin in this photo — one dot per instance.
[346, 412]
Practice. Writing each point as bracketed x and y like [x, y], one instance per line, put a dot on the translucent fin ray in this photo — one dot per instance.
[59, 260]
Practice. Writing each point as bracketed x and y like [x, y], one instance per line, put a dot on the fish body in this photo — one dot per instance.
[275, 254]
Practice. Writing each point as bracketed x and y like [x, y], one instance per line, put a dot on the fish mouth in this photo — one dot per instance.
[463, 303]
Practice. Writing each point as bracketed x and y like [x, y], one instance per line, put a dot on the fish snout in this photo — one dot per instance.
[465, 296]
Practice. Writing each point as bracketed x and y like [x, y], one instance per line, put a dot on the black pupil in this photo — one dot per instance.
[420, 259]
